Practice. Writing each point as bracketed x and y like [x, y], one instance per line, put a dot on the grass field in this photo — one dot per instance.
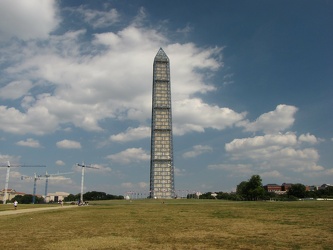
[174, 224]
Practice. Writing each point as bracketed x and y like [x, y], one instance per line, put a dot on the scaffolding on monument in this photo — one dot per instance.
[161, 163]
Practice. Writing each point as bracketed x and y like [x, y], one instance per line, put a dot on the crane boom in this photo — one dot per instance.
[41, 177]
[8, 166]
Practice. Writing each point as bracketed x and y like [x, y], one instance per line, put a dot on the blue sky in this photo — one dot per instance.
[251, 91]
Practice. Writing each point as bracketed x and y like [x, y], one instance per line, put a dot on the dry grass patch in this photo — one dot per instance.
[175, 224]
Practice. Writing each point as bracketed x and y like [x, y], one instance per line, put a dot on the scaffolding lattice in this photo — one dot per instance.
[161, 162]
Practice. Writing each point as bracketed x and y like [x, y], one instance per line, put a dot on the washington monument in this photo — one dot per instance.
[161, 157]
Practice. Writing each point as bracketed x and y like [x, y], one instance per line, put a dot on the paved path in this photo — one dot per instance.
[28, 210]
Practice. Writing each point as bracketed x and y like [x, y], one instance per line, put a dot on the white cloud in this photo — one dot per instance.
[131, 134]
[29, 143]
[27, 19]
[11, 158]
[195, 115]
[143, 185]
[101, 168]
[68, 144]
[271, 174]
[79, 88]
[60, 163]
[278, 151]
[15, 174]
[179, 171]
[308, 138]
[37, 120]
[135, 186]
[130, 155]
[198, 150]
[127, 185]
[187, 29]
[15, 90]
[92, 168]
[242, 169]
[329, 171]
[275, 121]
[96, 18]
[259, 142]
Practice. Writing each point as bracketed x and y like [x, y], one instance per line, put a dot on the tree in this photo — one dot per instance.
[251, 189]
[255, 188]
[241, 189]
[27, 199]
[298, 190]
[72, 197]
[94, 195]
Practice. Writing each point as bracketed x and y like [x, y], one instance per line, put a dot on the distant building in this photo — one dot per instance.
[313, 188]
[11, 193]
[272, 188]
[324, 186]
[56, 197]
[286, 186]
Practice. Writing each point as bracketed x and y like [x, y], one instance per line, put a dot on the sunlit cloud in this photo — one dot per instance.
[68, 144]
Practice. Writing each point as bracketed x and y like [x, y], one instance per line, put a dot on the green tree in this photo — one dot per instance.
[298, 190]
[72, 197]
[27, 199]
[251, 189]
[94, 195]
[255, 188]
[242, 189]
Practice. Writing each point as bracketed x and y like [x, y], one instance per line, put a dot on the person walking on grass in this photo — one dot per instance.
[15, 204]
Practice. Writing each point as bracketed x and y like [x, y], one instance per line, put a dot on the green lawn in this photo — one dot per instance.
[173, 224]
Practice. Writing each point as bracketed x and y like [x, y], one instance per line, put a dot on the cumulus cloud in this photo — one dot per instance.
[277, 151]
[274, 121]
[197, 150]
[31, 19]
[29, 143]
[308, 138]
[37, 120]
[131, 134]
[68, 144]
[77, 87]
[195, 115]
[15, 90]
[260, 142]
[101, 168]
[130, 155]
[60, 163]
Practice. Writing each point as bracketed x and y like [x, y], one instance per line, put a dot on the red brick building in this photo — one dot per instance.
[272, 188]
[286, 186]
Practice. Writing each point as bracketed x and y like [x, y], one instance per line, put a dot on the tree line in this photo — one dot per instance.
[253, 189]
[90, 196]
[27, 199]
[94, 196]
